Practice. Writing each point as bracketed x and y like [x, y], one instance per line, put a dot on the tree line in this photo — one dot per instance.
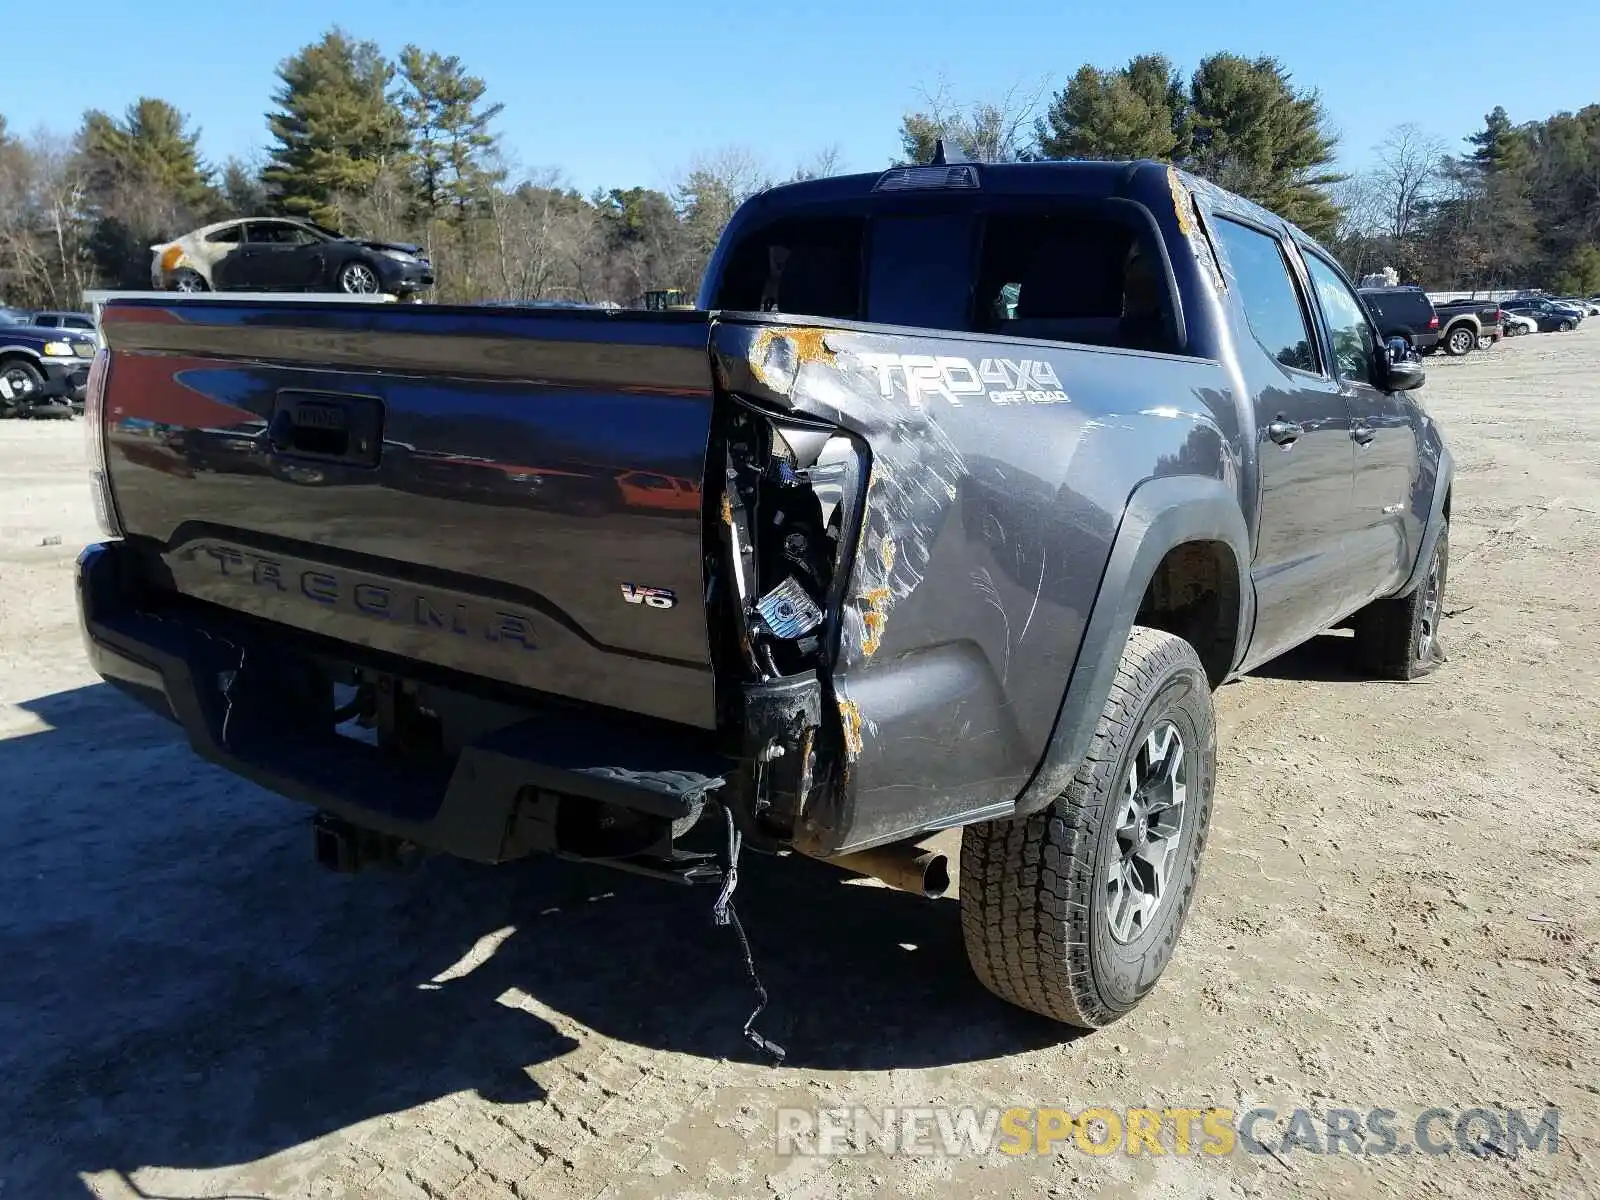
[1519, 206]
[406, 150]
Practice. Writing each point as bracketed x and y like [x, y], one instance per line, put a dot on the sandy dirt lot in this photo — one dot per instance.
[1398, 910]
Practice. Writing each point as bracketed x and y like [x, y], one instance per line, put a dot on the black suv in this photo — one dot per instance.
[1405, 312]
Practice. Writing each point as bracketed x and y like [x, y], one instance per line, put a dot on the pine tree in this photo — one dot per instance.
[336, 127]
[1136, 111]
[151, 151]
[1255, 134]
[143, 181]
[448, 125]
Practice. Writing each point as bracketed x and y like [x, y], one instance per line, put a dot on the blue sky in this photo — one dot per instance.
[623, 92]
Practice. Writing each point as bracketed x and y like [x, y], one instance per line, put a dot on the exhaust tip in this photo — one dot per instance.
[904, 866]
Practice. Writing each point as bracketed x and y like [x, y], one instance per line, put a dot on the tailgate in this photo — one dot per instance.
[514, 494]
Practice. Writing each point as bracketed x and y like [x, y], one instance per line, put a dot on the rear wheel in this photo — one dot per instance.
[187, 280]
[1399, 638]
[1460, 340]
[1484, 341]
[1566, 327]
[1073, 912]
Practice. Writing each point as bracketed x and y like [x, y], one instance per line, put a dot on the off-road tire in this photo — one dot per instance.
[1389, 633]
[1034, 904]
[1460, 340]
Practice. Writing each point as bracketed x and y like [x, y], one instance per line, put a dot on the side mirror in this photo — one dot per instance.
[1401, 368]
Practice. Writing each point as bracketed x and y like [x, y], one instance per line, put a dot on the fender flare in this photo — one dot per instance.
[1443, 478]
[1161, 514]
[21, 351]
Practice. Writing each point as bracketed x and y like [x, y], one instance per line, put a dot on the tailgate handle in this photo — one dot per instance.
[327, 428]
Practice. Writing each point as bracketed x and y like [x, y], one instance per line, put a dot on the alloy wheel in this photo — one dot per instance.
[358, 278]
[1149, 821]
[1428, 626]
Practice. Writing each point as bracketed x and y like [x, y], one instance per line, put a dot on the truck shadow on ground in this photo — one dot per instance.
[1326, 658]
[187, 989]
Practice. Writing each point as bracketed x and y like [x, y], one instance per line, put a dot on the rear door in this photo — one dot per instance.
[1387, 533]
[250, 267]
[300, 259]
[270, 254]
[1303, 448]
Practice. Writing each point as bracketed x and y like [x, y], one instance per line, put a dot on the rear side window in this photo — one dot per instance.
[809, 267]
[1271, 302]
[1072, 277]
[46, 321]
[231, 235]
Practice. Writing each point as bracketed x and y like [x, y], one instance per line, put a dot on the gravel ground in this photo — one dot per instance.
[1398, 910]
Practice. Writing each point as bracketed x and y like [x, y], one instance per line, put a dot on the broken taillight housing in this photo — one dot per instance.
[94, 435]
[791, 511]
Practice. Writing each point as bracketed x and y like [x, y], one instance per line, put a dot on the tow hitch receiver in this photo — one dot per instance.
[346, 848]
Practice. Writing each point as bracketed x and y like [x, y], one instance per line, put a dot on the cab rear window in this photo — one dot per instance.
[1063, 276]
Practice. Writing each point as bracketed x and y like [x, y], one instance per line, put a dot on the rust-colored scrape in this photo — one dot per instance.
[874, 618]
[727, 509]
[1180, 202]
[874, 621]
[850, 717]
[810, 345]
[886, 552]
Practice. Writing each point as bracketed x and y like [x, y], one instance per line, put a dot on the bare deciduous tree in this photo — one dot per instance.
[1000, 130]
[1407, 175]
[824, 164]
[44, 228]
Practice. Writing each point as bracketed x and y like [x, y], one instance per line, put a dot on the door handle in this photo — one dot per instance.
[1285, 433]
[1363, 434]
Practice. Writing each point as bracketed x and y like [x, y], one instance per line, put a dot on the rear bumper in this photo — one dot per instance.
[493, 801]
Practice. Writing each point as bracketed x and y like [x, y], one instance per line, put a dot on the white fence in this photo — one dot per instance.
[1487, 295]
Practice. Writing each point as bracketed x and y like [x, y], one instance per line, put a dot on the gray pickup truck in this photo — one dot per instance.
[950, 506]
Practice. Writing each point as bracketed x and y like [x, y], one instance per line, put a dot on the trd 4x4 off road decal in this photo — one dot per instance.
[999, 380]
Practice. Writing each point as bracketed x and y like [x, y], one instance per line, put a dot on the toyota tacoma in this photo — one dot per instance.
[951, 505]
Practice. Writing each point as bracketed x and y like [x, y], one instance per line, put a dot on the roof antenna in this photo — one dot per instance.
[938, 153]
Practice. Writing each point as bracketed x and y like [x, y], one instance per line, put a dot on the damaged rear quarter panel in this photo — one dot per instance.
[990, 514]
